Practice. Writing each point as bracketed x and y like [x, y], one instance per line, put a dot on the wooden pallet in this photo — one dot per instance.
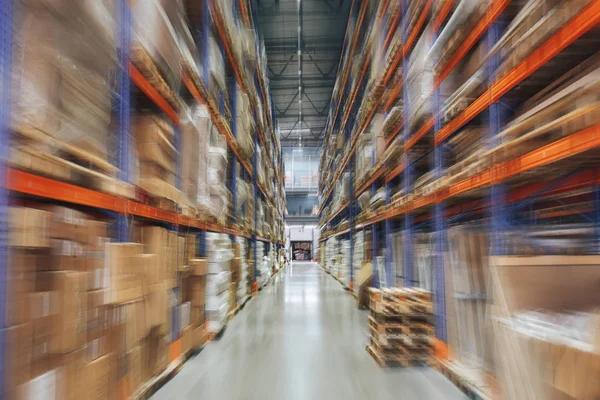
[397, 360]
[453, 373]
[155, 383]
[28, 158]
[402, 328]
[144, 63]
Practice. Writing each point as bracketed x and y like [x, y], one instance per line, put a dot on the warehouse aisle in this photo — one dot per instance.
[301, 338]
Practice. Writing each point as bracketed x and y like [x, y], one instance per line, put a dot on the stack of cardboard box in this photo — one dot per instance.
[157, 157]
[79, 306]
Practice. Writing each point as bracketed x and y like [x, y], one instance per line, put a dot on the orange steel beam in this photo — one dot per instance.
[143, 210]
[393, 27]
[571, 145]
[439, 20]
[427, 126]
[390, 72]
[492, 13]
[376, 175]
[390, 139]
[396, 171]
[571, 31]
[394, 94]
[415, 32]
[146, 87]
[35, 185]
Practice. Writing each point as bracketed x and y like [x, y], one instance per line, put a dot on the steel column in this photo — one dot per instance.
[6, 13]
[124, 98]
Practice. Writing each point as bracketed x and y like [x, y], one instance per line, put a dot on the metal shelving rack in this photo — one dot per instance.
[24, 183]
[499, 202]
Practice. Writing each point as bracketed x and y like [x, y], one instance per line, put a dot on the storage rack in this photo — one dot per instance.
[503, 194]
[29, 185]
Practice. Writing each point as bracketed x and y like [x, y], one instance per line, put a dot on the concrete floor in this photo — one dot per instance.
[301, 338]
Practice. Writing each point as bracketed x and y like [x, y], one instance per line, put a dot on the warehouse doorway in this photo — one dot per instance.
[301, 250]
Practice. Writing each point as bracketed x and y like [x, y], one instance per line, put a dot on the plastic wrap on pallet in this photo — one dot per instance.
[154, 33]
[419, 79]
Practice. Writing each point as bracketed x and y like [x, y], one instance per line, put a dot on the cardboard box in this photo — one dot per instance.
[363, 281]
[154, 354]
[156, 308]
[151, 272]
[71, 321]
[154, 239]
[237, 249]
[28, 227]
[199, 266]
[50, 385]
[195, 291]
[181, 260]
[20, 282]
[232, 296]
[236, 269]
[18, 343]
[198, 337]
[190, 247]
[134, 367]
[70, 368]
[186, 340]
[99, 378]
[124, 265]
[197, 316]
[172, 259]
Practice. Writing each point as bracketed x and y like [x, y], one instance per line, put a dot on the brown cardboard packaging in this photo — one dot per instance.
[198, 337]
[28, 227]
[172, 259]
[199, 266]
[237, 249]
[232, 296]
[134, 366]
[20, 282]
[195, 291]
[151, 272]
[197, 316]
[181, 260]
[236, 269]
[155, 242]
[97, 230]
[156, 308]
[70, 325]
[124, 265]
[99, 378]
[17, 357]
[190, 248]
[186, 339]
[70, 366]
[154, 354]
[363, 280]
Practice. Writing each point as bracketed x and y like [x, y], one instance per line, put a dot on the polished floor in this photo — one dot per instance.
[301, 338]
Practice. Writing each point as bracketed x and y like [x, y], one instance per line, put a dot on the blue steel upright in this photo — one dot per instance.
[407, 242]
[6, 13]
[124, 98]
[440, 224]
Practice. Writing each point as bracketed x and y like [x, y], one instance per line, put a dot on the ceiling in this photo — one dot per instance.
[323, 28]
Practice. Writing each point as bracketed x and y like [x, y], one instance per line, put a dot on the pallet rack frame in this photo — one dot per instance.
[30, 184]
[501, 202]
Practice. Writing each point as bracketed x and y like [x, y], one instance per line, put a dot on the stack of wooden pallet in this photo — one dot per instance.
[401, 327]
